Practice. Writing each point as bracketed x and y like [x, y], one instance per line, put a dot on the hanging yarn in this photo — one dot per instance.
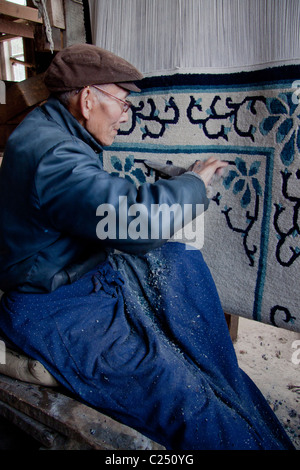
[41, 6]
[168, 34]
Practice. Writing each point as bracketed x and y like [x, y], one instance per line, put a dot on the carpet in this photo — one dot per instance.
[252, 228]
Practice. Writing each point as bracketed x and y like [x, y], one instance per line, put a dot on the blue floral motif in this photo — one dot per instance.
[244, 180]
[128, 169]
[286, 232]
[283, 109]
[244, 183]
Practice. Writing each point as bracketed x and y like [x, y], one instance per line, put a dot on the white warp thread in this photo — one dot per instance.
[158, 35]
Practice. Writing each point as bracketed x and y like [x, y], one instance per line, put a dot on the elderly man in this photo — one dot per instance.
[131, 325]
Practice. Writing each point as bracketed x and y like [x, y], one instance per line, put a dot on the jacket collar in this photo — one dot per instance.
[59, 113]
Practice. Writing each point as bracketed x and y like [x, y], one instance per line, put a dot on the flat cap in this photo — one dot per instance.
[81, 65]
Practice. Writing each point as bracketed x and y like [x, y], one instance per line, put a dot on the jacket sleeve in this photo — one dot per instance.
[79, 198]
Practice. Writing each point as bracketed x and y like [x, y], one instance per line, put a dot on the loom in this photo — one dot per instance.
[221, 77]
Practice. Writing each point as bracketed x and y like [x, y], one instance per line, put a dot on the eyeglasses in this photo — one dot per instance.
[126, 104]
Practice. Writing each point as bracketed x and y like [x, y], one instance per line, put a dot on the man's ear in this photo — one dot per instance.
[86, 102]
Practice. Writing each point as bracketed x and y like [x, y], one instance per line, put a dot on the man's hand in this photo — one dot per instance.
[207, 169]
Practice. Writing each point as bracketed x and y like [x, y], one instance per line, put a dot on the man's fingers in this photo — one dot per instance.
[208, 168]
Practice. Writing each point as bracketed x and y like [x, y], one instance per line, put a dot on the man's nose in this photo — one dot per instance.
[124, 116]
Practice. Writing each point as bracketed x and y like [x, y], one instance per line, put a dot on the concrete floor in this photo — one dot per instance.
[271, 358]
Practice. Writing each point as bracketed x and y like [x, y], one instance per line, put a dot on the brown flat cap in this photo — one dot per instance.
[81, 65]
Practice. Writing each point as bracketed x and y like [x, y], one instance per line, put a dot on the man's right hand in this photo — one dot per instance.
[207, 169]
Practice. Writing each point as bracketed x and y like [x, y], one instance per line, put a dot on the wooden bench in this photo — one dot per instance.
[32, 399]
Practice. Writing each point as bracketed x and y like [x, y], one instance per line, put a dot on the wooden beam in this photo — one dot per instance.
[19, 11]
[38, 431]
[233, 324]
[71, 418]
[21, 62]
[16, 29]
[74, 17]
[21, 96]
[5, 37]
[40, 40]
[56, 12]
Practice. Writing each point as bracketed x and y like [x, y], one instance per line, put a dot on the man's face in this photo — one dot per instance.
[107, 114]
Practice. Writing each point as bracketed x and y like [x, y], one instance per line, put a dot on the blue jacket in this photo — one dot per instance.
[51, 183]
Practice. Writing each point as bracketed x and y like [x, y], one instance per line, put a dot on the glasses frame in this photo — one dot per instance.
[126, 104]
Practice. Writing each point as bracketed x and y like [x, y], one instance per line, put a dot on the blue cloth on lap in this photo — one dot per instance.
[144, 339]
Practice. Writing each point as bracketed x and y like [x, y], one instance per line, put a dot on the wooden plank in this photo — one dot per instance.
[21, 62]
[16, 29]
[5, 37]
[19, 11]
[22, 95]
[41, 43]
[75, 28]
[56, 13]
[45, 436]
[232, 323]
[71, 418]
[38, 431]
